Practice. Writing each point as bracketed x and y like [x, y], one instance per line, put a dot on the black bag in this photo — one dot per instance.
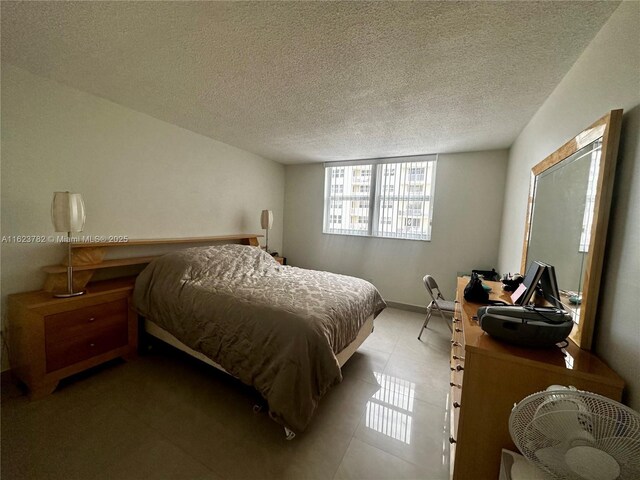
[474, 292]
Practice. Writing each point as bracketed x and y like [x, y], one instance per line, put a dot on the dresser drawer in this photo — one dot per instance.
[62, 326]
[73, 336]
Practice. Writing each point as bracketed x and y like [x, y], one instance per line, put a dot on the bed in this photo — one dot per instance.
[286, 331]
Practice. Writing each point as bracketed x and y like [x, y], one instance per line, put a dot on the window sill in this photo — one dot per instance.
[428, 240]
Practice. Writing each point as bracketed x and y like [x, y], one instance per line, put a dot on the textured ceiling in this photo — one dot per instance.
[314, 81]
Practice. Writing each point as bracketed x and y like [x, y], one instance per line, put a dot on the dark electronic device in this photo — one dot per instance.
[530, 283]
[511, 282]
[490, 275]
[528, 325]
[549, 286]
[541, 276]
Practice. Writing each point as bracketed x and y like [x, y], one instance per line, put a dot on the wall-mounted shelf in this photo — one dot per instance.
[169, 241]
[117, 262]
[89, 256]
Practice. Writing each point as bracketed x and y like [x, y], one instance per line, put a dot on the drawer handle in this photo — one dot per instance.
[456, 320]
[456, 357]
[456, 405]
[456, 344]
[92, 319]
[452, 440]
[92, 345]
[451, 384]
[458, 330]
[457, 368]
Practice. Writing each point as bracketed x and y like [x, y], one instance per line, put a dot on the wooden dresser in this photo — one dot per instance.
[488, 377]
[52, 338]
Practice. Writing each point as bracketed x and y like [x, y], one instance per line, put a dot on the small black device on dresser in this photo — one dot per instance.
[490, 275]
[511, 282]
[474, 291]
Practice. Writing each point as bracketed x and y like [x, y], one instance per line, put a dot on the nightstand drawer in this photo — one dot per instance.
[84, 321]
[70, 350]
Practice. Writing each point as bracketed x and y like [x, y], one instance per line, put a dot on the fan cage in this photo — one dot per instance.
[543, 424]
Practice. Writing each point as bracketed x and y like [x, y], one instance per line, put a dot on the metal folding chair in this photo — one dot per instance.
[446, 308]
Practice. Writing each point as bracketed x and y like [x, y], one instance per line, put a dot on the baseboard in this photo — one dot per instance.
[406, 306]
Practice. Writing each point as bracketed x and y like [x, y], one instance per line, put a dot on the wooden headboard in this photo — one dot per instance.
[87, 257]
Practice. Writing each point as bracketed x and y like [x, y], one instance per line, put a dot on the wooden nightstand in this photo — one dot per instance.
[52, 338]
[281, 260]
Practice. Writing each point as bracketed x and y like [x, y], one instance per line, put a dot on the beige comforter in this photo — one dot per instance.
[276, 328]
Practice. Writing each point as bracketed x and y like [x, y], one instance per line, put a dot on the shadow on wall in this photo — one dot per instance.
[617, 330]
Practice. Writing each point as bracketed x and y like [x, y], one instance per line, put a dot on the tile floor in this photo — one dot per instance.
[165, 415]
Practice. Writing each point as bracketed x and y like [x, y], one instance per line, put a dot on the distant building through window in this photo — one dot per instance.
[383, 198]
[589, 206]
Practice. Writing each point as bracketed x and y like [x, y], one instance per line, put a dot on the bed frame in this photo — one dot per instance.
[89, 257]
[161, 334]
[150, 328]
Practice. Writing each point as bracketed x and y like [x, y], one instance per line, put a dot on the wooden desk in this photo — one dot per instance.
[488, 377]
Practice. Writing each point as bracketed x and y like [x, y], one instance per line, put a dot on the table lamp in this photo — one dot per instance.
[67, 215]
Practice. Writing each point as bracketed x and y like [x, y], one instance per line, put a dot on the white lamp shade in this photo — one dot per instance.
[266, 219]
[67, 212]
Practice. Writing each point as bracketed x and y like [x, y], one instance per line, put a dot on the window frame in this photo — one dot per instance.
[377, 197]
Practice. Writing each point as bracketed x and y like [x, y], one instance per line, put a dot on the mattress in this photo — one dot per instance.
[277, 328]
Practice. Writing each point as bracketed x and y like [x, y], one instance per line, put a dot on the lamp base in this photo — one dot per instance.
[67, 295]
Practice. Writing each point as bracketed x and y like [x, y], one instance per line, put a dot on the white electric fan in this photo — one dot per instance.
[570, 434]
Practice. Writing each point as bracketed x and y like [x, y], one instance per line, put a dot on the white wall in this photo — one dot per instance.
[605, 77]
[139, 176]
[466, 221]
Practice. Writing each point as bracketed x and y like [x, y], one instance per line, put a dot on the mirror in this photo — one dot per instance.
[567, 218]
[564, 203]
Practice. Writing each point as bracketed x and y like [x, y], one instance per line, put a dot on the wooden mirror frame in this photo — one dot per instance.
[607, 128]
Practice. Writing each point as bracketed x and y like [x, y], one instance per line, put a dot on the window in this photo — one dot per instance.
[416, 174]
[589, 206]
[338, 172]
[383, 198]
[360, 204]
[361, 188]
